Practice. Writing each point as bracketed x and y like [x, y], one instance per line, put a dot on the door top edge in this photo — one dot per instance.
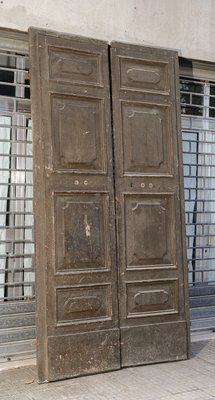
[34, 31]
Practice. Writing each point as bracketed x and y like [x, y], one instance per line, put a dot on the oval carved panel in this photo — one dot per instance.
[143, 75]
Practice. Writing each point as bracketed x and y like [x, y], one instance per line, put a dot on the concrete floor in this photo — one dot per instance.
[183, 380]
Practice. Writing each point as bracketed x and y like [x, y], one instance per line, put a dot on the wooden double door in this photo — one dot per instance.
[110, 255]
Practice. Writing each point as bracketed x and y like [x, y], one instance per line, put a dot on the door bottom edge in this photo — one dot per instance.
[86, 354]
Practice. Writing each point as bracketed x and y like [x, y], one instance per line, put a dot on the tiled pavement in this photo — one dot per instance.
[184, 380]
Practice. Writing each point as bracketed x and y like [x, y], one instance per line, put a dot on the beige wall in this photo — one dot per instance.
[185, 25]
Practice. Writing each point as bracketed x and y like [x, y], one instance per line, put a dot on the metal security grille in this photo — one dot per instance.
[17, 287]
[198, 129]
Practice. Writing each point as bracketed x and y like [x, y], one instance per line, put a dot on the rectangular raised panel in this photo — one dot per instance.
[83, 354]
[82, 231]
[153, 343]
[149, 230]
[83, 304]
[146, 138]
[144, 75]
[76, 66]
[151, 298]
[78, 133]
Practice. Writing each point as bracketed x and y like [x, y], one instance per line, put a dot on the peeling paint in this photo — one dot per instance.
[87, 226]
